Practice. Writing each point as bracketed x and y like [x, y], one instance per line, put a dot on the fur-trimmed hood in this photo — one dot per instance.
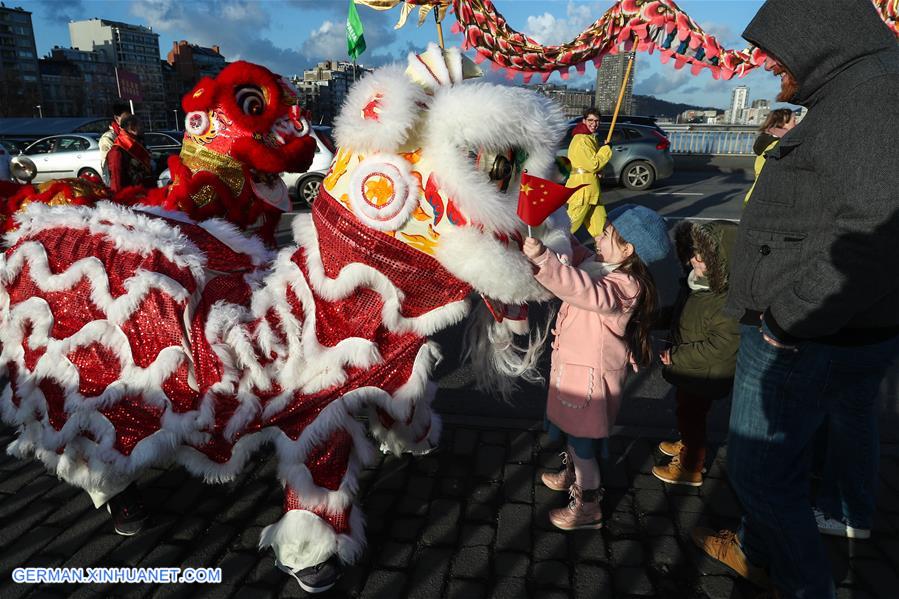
[714, 242]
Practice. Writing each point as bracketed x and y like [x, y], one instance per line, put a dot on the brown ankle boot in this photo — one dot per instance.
[676, 474]
[583, 511]
[564, 478]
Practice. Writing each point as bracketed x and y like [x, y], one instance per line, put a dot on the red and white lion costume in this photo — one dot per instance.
[140, 337]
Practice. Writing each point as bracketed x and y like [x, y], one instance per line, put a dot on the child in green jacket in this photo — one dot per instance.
[701, 362]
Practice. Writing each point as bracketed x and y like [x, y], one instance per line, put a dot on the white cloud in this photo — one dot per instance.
[236, 26]
[664, 81]
[548, 29]
[329, 40]
[725, 35]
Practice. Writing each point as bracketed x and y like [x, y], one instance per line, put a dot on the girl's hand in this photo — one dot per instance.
[533, 248]
[665, 357]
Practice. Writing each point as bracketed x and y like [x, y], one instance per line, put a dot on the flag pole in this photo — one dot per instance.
[627, 75]
[439, 26]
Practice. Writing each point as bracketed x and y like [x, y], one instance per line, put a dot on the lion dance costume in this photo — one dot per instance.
[144, 335]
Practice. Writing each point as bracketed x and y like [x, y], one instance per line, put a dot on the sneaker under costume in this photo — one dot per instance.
[137, 337]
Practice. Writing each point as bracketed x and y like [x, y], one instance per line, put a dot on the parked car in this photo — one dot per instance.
[641, 154]
[303, 187]
[15, 146]
[5, 159]
[161, 145]
[60, 156]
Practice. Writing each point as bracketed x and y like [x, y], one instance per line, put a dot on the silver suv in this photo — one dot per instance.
[640, 154]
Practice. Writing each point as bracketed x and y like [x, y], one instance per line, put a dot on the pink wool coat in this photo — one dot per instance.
[590, 357]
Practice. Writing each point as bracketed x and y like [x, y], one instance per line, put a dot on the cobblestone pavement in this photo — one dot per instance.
[468, 521]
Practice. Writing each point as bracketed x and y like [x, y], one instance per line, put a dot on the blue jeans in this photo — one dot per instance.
[781, 397]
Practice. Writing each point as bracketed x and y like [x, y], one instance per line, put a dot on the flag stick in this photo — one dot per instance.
[627, 74]
[529, 231]
[439, 26]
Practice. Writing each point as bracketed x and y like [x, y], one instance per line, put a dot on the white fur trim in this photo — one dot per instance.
[356, 275]
[301, 539]
[129, 230]
[399, 109]
[481, 116]
[504, 274]
[226, 232]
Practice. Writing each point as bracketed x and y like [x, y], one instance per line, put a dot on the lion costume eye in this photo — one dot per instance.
[250, 100]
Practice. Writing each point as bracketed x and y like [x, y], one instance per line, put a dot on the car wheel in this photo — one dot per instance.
[638, 176]
[89, 174]
[307, 190]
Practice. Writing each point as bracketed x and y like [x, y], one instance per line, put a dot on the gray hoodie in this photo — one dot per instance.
[818, 246]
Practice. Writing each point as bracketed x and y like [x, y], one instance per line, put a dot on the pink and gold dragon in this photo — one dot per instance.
[643, 25]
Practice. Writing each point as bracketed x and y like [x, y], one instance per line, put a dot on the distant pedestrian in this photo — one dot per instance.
[608, 301]
[129, 161]
[778, 124]
[701, 362]
[119, 111]
[587, 158]
[815, 283]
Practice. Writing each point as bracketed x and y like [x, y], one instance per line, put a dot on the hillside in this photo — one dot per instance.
[652, 106]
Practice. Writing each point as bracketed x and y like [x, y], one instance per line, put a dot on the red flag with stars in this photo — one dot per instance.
[538, 198]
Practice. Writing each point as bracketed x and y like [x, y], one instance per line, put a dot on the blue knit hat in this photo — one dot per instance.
[644, 229]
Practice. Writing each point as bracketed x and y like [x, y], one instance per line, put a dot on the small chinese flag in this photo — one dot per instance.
[538, 198]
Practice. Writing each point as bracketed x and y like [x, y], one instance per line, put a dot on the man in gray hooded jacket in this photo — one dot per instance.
[815, 282]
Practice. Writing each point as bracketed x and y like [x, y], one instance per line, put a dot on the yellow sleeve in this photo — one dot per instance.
[585, 153]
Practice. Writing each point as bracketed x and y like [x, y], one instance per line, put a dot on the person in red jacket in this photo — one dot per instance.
[128, 160]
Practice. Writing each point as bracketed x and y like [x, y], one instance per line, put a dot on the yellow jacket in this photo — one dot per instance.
[758, 166]
[587, 159]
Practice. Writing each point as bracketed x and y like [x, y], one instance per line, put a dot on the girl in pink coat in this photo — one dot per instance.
[603, 326]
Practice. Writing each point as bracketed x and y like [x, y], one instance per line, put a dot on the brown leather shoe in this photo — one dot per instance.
[725, 547]
[564, 478]
[583, 511]
[675, 474]
[671, 448]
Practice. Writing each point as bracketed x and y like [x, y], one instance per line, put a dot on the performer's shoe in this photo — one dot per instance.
[318, 578]
[128, 511]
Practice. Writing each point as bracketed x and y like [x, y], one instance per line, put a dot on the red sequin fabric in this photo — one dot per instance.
[121, 341]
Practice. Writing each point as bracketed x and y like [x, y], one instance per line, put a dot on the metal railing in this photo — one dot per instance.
[716, 140]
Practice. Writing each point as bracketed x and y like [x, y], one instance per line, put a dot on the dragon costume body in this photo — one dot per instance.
[639, 25]
[140, 336]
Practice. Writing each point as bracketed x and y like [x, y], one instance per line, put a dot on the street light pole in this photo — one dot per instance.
[39, 111]
[177, 128]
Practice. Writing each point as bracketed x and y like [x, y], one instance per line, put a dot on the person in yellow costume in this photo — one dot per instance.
[587, 159]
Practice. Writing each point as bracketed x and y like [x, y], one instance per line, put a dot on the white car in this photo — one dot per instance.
[5, 159]
[303, 187]
[61, 156]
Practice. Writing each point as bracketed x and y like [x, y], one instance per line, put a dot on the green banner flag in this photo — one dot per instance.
[355, 41]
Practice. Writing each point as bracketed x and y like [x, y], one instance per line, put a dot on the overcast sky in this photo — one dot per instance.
[288, 36]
